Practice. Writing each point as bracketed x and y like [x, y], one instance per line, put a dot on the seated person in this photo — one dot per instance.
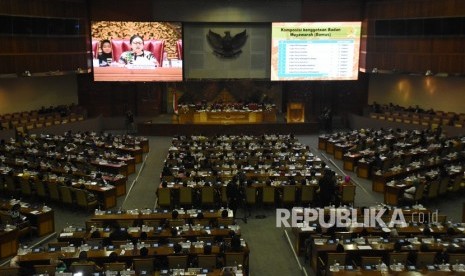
[409, 193]
[236, 244]
[137, 55]
[17, 218]
[105, 57]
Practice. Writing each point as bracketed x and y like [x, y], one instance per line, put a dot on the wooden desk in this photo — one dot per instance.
[340, 149]
[105, 195]
[158, 215]
[126, 74]
[81, 235]
[135, 152]
[349, 161]
[100, 255]
[363, 169]
[322, 142]
[389, 272]
[392, 194]
[44, 220]
[110, 167]
[227, 117]
[8, 243]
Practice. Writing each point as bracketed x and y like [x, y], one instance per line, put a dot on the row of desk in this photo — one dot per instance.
[227, 117]
[41, 217]
[414, 215]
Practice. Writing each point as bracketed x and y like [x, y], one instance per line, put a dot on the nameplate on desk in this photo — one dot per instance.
[364, 247]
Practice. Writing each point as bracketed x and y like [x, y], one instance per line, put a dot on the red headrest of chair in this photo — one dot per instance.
[118, 46]
[95, 48]
[179, 48]
[156, 46]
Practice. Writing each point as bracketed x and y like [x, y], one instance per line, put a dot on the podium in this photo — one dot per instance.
[295, 113]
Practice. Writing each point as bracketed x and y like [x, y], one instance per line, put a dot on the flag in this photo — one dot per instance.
[175, 103]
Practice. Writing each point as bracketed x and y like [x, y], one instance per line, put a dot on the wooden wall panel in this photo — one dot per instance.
[140, 10]
[46, 8]
[41, 53]
[414, 54]
[388, 9]
[342, 10]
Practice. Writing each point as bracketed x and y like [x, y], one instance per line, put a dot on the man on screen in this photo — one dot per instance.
[138, 56]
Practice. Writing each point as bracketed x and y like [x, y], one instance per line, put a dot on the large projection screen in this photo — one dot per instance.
[315, 51]
[155, 53]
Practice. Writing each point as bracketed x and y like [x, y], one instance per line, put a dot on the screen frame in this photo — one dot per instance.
[275, 66]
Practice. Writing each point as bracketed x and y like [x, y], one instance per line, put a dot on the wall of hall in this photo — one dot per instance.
[24, 94]
[438, 93]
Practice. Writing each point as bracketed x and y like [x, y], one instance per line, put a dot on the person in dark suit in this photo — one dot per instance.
[327, 188]
[233, 194]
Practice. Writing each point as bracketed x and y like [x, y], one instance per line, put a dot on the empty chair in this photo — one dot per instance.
[202, 222]
[114, 266]
[369, 261]
[234, 259]
[66, 195]
[125, 223]
[176, 222]
[26, 188]
[307, 195]
[2, 184]
[457, 258]
[207, 196]
[84, 201]
[152, 222]
[454, 187]
[225, 221]
[268, 195]
[45, 269]
[425, 258]
[85, 269]
[57, 245]
[94, 224]
[185, 196]
[398, 257]
[53, 191]
[177, 261]
[289, 192]
[443, 185]
[207, 261]
[331, 259]
[250, 196]
[10, 271]
[141, 265]
[347, 195]
[10, 185]
[433, 189]
[164, 197]
[40, 189]
[208, 239]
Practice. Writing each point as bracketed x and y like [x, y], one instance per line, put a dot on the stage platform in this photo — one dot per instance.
[167, 125]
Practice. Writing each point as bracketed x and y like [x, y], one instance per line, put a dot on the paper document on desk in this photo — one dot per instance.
[364, 247]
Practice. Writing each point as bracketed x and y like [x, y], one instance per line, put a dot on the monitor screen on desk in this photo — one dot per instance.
[315, 51]
[137, 51]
